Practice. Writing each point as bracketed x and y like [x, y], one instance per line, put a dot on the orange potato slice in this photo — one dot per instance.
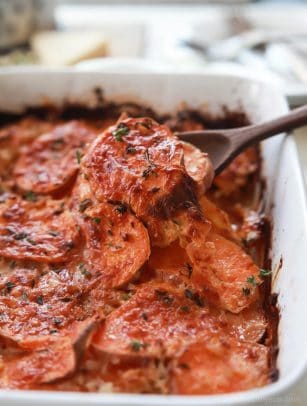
[47, 365]
[53, 159]
[140, 163]
[218, 364]
[225, 271]
[158, 320]
[117, 243]
[42, 231]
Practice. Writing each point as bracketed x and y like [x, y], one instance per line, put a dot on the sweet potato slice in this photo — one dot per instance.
[42, 305]
[225, 271]
[117, 243]
[198, 166]
[218, 364]
[47, 365]
[158, 320]
[42, 231]
[52, 160]
[140, 163]
[171, 264]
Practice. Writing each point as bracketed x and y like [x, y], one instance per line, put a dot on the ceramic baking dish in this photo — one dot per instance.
[285, 201]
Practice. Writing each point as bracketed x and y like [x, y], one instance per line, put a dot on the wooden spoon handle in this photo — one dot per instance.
[245, 136]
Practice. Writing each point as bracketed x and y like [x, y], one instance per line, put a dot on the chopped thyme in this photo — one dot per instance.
[96, 220]
[20, 236]
[194, 296]
[53, 233]
[164, 296]
[9, 286]
[30, 196]
[136, 345]
[189, 269]
[57, 321]
[144, 316]
[121, 208]
[121, 130]
[78, 156]
[246, 291]
[53, 331]
[188, 294]
[30, 241]
[130, 149]
[39, 300]
[264, 272]
[185, 309]
[84, 205]
[251, 279]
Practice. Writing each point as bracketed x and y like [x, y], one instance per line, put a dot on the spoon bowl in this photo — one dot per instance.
[223, 146]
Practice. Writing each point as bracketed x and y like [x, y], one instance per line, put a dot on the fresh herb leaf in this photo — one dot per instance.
[9, 286]
[130, 150]
[121, 208]
[264, 272]
[121, 130]
[20, 236]
[78, 156]
[136, 345]
[30, 196]
[39, 300]
[53, 233]
[96, 220]
[251, 279]
[84, 205]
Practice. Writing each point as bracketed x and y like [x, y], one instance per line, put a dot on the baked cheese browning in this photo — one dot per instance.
[227, 273]
[53, 159]
[141, 164]
[42, 230]
[216, 364]
[117, 273]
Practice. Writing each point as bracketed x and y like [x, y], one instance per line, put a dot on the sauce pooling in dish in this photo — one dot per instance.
[123, 270]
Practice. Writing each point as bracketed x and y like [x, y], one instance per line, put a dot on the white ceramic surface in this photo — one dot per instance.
[285, 193]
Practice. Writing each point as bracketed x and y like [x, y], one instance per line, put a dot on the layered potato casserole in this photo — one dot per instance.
[126, 266]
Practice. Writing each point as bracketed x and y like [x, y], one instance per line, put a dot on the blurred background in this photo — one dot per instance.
[267, 38]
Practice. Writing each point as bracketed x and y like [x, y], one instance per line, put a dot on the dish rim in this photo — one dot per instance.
[235, 398]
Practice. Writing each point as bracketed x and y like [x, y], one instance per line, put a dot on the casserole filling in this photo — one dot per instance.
[125, 266]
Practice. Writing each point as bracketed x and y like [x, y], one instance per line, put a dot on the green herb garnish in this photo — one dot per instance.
[39, 300]
[251, 279]
[264, 272]
[246, 291]
[121, 130]
[96, 220]
[78, 156]
[30, 196]
[136, 345]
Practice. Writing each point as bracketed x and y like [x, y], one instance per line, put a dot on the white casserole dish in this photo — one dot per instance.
[285, 198]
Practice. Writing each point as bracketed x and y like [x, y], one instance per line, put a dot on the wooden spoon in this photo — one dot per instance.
[223, 146]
